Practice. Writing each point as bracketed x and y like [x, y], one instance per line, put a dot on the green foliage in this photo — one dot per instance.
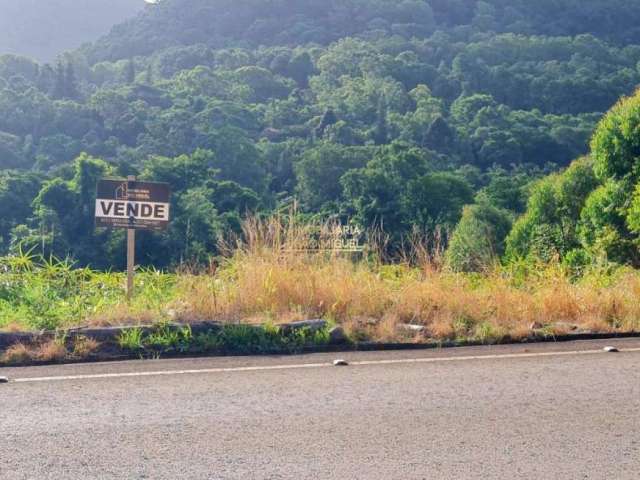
[242, 338]
[548, 229]
[393, 114]
[578, 261]
[162, 338]
[633, 214]
[165, 337]
[508, 190]
[131, 339]
[320, 169]
[39, 293]
[603, 230]
[436, 199]
[231, 338]
[590, 212]
[398, 191]
[616, 143]
[17, 192]
[610, 220]
[206, 342]
[477, 243]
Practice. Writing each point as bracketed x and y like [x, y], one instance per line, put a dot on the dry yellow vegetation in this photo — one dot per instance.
[274, 275]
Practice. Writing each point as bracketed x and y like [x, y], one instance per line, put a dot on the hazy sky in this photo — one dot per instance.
[42, 29]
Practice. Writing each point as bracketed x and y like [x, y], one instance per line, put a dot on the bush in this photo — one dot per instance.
[478, 241]
[616, 144]
[603, 231]
[548, 229]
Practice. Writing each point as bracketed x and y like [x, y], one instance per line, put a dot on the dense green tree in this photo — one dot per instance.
[508, 189]
[477, 243]
[182, 172]
[548, 229]
[320, 169]
[436, 200]
[17, 192]
[65, 208]
[399, 191]
[602, 229]
[616, 143]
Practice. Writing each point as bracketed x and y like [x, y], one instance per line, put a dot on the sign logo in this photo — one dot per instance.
[132, 204]
[337, 237]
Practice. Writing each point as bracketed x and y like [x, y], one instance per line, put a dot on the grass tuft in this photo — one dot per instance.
[52, 351]
[16, 354]
[83, 347]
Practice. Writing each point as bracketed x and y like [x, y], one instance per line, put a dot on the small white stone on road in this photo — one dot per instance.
[610, 349]
[4, 380]
[340, 363]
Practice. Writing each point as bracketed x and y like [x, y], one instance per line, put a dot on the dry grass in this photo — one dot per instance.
[84, 346]
[50, 351]
[53, 350]
[16, 354]
[123, 314]
[273, 276]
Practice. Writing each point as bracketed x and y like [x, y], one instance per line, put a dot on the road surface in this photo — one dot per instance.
[560, 411]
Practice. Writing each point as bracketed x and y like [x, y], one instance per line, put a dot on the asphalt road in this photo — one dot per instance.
[566, 411]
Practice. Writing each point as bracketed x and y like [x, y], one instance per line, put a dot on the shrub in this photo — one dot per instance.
[616, 144]
[548, 229]
[478, 241]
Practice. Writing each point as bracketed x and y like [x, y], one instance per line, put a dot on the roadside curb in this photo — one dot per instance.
[109, 336]
[376, 346]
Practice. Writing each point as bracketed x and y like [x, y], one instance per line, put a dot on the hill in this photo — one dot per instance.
[378, 112]
[43, 29]
[251, 23]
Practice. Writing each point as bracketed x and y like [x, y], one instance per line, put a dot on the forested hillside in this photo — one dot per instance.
[43, 29]
[391, 114]
[252, 23]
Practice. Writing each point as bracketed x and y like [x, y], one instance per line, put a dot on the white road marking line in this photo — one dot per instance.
[312, 365]
[168, 372]
[485, 357]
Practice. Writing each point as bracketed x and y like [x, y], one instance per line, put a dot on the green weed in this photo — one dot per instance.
[131, 339]
[166, 338]
[207, 342]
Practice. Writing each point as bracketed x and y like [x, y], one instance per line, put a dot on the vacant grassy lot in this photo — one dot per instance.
[270, 278]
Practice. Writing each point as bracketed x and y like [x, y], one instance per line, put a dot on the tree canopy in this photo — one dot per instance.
[393, 114]
[592, 210]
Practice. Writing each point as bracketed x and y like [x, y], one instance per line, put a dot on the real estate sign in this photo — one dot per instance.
[132, 204]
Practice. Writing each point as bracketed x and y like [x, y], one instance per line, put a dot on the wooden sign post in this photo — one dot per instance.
[135, 206]
[131, 247]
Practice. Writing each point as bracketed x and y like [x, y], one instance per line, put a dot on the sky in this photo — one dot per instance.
[42, 29]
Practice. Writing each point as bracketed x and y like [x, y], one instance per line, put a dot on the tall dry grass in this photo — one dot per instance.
[276, 273]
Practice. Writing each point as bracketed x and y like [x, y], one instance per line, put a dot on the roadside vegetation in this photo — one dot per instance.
[230, 338]
[275, 277]
[163, 338]
[48, 294]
